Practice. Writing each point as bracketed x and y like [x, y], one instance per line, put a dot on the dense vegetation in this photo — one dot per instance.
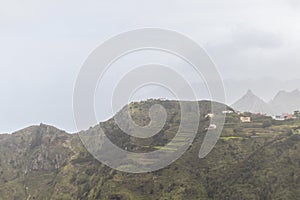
[257, 160]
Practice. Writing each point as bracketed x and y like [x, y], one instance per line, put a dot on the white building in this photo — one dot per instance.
[279, 118]
[227, 112]
[212, 127]
[245, 119]
[210, 115]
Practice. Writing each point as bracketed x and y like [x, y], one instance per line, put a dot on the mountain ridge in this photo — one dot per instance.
[42, 162]
[283, 102]
[251, 103]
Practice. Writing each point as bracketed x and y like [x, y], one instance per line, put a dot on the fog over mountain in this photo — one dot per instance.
[286, 102]
[88, 113]
[43, 45]
[283, 102]
[251, 103]
[266, 88]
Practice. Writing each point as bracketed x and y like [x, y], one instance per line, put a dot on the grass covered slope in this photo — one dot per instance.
[257, 160]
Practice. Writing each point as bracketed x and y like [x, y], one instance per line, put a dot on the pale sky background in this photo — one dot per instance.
[254, 43]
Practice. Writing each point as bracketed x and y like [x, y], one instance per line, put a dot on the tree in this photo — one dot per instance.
[297, 113]
[266, 124]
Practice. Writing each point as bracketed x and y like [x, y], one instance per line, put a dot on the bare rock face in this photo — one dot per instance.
[30, 160]
[35, 148]
[43, 162]
[49, 153]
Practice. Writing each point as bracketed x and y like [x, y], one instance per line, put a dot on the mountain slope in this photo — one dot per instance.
[251, 103]
[286, 102]
[248, 162]
[283, 102]
[30, 158]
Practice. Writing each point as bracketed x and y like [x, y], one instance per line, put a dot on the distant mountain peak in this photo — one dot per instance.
[286, 101]
[286, 94]
[249, 93]
[41, 128]
[296, 91]
[251, 103]
[283, 102]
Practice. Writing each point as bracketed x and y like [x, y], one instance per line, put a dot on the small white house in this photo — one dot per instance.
[212, 127]
[227, 112]
[279, 118]
[245, 119]
[210, 115]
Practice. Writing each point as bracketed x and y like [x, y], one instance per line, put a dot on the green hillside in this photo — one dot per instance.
[256, 160]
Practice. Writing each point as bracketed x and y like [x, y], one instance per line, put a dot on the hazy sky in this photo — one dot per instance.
[44, 43]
